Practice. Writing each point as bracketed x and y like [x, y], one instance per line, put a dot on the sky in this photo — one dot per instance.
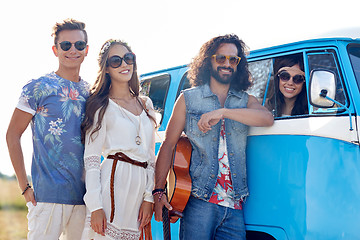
[162, 34]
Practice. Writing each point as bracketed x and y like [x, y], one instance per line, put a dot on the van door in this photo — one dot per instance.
[304, 171]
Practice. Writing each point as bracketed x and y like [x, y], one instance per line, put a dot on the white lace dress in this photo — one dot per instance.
[132, 184]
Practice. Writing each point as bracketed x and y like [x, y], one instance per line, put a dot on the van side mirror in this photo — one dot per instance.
[322, 91]
[322, 81]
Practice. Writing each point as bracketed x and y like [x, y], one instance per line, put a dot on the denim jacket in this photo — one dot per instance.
[204, 160]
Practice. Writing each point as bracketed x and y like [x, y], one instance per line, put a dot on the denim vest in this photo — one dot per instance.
[204, 159]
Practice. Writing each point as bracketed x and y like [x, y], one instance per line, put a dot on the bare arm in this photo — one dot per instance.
[98, 221]
[18, 124]
[254, 115]
[173, 131]
[145, 214]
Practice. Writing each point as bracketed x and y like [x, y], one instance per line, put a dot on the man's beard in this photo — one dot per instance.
[226, 79]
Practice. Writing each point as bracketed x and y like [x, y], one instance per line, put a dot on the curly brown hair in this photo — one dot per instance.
[200, 68]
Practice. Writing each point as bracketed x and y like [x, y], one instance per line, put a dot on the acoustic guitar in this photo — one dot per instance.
[178, 186]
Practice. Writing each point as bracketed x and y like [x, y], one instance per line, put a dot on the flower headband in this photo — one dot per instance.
[108, 44]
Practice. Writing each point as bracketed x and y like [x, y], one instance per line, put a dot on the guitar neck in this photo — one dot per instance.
[166, 224]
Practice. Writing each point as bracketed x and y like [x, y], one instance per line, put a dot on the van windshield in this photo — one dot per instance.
[354, 53]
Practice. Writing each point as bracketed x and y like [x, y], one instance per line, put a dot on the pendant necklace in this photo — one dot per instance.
[138, 139]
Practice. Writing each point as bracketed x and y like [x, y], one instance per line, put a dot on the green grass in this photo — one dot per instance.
[13, 221]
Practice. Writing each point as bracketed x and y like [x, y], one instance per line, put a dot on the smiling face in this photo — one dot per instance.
[289, 89]
[124, 72]
[73, 57]
[224, 73]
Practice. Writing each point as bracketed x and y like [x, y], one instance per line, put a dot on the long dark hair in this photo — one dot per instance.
[276, 101]
[200, 67]
[99, 92]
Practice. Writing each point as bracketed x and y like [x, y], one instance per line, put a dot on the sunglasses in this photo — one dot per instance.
[79, 45]
[233, 60]
[116, 61]
[285, 76]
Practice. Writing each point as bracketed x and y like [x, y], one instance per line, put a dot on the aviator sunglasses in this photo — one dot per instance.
[66, 45]
[285, 76]
[116, 61]
[233, 60]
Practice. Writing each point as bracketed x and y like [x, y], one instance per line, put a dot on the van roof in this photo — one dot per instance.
[311, 43]
[319, 42]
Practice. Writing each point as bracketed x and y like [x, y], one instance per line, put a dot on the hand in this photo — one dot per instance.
[159, 206]
[210, 119]
[98, 221]
[145, 214]
[29, 196]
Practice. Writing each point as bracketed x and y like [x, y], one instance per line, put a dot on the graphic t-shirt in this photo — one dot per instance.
[223, 193]
[58, 107]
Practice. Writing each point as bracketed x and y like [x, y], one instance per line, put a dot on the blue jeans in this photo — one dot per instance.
[204, 221]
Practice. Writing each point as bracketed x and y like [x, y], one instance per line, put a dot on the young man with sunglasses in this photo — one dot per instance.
[55, 105]
[215, 116]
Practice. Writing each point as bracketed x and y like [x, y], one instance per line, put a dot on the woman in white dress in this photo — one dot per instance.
[119, 126]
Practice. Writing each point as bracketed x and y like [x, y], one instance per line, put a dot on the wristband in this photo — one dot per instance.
[27, 187]
[157, 190]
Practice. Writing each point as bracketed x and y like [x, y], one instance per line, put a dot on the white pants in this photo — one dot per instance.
[49, 221]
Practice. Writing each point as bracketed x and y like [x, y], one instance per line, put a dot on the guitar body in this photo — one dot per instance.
[179, 181]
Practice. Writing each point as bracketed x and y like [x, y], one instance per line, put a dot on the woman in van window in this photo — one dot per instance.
[290, 97]
[119, 126]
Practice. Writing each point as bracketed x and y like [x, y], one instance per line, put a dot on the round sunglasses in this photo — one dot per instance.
[220, 59]
[116, 61]
[79, 45]
[285, 76]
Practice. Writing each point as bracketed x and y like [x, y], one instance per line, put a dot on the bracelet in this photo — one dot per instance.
[157, 190]
[161, 193]
[27, 187]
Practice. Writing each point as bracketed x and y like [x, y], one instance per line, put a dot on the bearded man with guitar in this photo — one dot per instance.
[215, 116]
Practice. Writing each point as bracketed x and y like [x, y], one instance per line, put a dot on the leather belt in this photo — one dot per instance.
[119, 156]
[122, 157]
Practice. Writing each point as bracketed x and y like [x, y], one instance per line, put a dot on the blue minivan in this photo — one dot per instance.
[304, 171]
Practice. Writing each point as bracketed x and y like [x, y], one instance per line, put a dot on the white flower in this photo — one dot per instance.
[105, 47]
[58, 131]
[108, 44]
[52, 130]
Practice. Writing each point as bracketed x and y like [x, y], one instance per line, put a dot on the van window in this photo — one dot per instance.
[327, 61]
[273, 93]
[354, 53]
[261, 72]
[156, 88]
[184, 84]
